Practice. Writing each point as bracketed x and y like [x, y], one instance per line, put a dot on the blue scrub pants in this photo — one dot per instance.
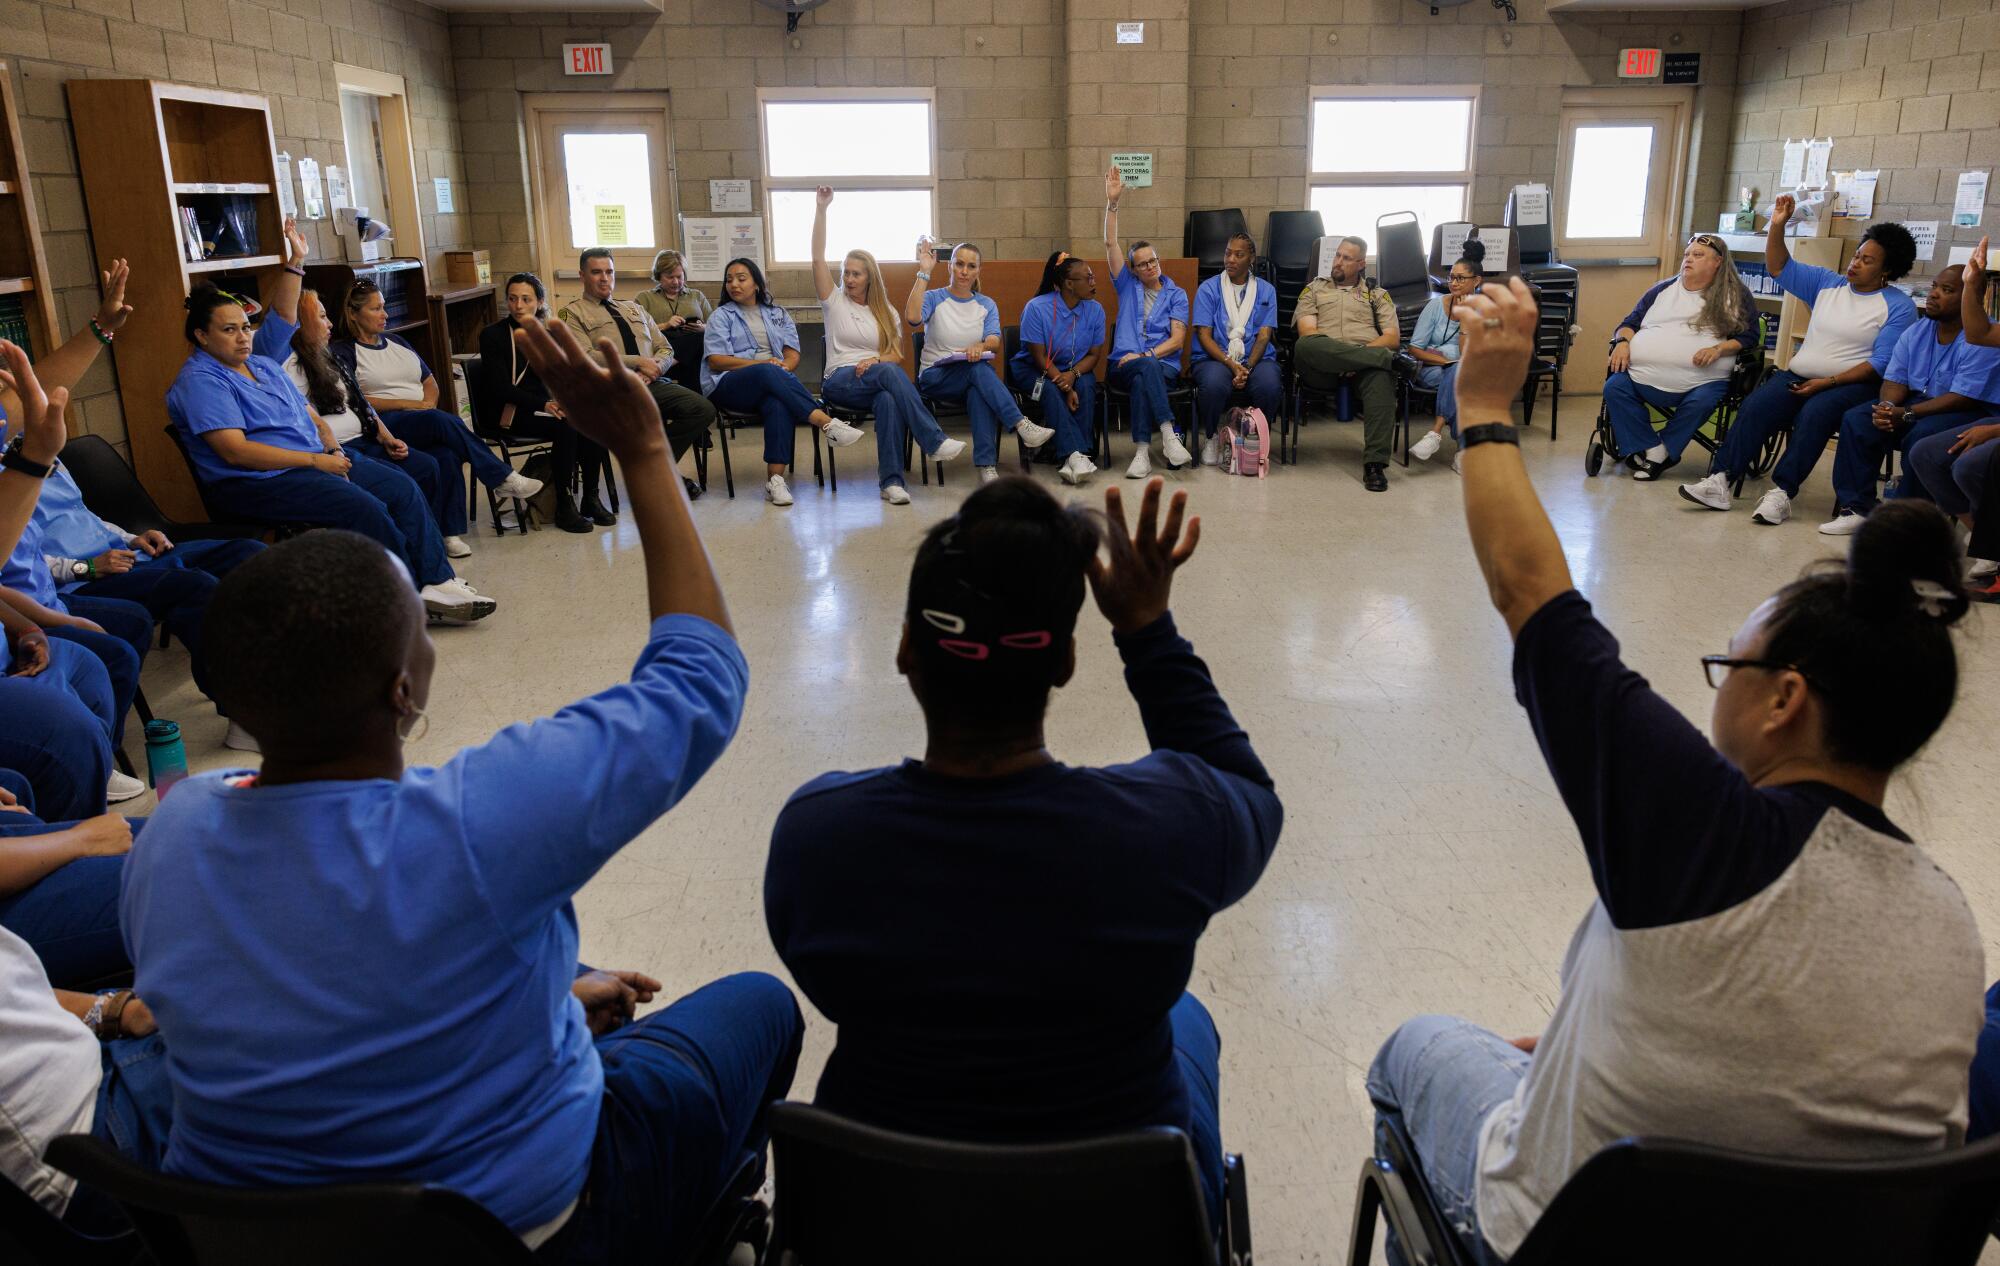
[174, 588]
[777, 396]
[1626, 401]
[444, 439]
[685, 1093]
[987, 402]
[55, 730]
[121, 648]
[1957, 482]
[69, 917]
[1145, 380]
[1439, 1077]
[1198, 1051]
[1857, 459]
[135, 1111]
[1772, 407]
[1214, 383]
[420, 466]
[887, 392]
[1074, 431]
[376, 500]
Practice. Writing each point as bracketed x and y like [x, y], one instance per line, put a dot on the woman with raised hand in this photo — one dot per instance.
[864, 359]
[750, 365]
[961, 341]
[1752, 896]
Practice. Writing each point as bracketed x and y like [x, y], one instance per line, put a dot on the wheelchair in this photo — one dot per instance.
[1749, 373]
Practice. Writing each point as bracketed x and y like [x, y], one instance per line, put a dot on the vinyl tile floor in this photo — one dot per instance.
[1426, 863]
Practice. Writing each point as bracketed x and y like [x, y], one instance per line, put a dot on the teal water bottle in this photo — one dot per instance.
[166, 759]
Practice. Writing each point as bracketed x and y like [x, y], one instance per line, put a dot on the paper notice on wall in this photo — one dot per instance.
[1531, 205]
[610, 217]
[1860, 200]
[288, 201]
[441, 187]
[729, 195]
[336, 190]
[1925, 231]
[1794, 173]
[744, 239]
[312, 198]
[1451, 241]
[1495, 241]
[1958, 255]
[702, 246]
[1970, 209]
[1819, 158]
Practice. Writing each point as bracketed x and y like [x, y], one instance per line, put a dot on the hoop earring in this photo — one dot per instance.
[418, 728]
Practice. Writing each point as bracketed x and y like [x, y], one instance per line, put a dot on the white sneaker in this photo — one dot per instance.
[949, 449]
[1712, 492]
[1426, 448]
[840, 434]
[1033, 434]
[1981, 568]
[123, 787]
[1843, 523]
[896, 495]
[775, 491]
[1142, 465]
[1172, 449]
[987, 474]
[517, 484]
[1455, 459]
[1773, 509]
[508, 519]
[455, 602]
[1077, 469]
[455, 547]
[1211, 451]
[240, 740]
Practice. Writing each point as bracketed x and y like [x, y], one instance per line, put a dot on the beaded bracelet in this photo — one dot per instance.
[103, 336]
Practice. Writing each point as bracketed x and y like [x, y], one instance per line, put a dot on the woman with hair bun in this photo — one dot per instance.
[1434, 346]
[1005, 940]
[519, 404]
[1753, 898]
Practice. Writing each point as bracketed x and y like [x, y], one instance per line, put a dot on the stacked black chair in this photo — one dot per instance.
[1289, 237]
[847, 1193]
[1207, 236]
[1401, 267]
[1551, 355]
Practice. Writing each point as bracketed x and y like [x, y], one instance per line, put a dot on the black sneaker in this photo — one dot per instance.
[1375, 476]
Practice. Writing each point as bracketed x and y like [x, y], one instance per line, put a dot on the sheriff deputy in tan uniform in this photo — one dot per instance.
[686, 415]
[1348, 326]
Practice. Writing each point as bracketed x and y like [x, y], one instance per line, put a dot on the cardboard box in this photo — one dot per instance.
[468, 268]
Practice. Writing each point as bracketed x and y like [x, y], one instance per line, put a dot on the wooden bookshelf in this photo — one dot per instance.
[147, 148]
[24, 268]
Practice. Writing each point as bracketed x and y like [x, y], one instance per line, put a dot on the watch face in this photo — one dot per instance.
[79, 570]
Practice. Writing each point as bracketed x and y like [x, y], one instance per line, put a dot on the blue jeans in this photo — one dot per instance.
[128, 633]
[685, 1092]
[1214, 384]
[987, 402]
[1145, 380]
[1198, 1051]
[69, 917]
[774, 394]
[1956, 483]
[55, 731]
[1626, 401]
[1440, 1077]
[1074, 431]
[887, 392]
[135, 1111]
[1772, 407]
[175, 588]
[1857, 459]
[376, 500]
[444, 439]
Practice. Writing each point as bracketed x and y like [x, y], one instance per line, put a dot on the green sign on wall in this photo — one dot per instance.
[1136, 168]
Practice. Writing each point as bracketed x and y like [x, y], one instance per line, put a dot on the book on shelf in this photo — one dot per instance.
[191, 234]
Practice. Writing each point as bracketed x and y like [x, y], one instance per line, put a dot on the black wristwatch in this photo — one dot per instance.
[14, 459]
[79, 570]
[1616, 339]
[1490, 433]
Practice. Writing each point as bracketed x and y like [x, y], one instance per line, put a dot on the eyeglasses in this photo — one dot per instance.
[1716, 667]
[1712, 242]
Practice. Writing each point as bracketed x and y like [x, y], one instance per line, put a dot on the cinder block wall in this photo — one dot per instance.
[284, 50]
[1910, 87]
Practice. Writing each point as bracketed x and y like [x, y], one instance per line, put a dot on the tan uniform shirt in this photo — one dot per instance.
[1357, 314]
[589, 319]
[689, 305]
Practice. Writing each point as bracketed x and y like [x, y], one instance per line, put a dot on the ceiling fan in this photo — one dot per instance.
[792, 9]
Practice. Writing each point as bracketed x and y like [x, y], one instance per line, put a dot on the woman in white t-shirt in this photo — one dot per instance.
[400, 388]
[864, 359]
[1675, 352]
[961, 347]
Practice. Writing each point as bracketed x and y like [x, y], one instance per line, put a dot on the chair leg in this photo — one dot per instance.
[124, 762]
[1235, 1211]
[1361, 1240]
[139, 706]
[1555, 405]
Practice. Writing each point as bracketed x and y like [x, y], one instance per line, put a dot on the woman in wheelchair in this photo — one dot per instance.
[1003, 939]
[1434, 346]
[1674, 351]
[1742, 920]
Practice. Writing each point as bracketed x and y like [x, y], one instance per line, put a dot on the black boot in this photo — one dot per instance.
[566, 516]
[594, 510]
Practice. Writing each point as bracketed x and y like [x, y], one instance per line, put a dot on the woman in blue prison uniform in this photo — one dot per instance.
[1062, 344]
[1247, 344]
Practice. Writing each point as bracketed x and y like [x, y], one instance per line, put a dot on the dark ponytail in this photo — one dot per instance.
[1873, 636]
[202, 302]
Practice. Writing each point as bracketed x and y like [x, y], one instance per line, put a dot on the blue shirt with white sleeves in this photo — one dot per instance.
[1809, 284]
[728, 334]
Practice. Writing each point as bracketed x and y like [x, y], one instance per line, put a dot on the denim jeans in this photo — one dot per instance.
[135, 1109]
[1440, 1077]
[376, 500]
[55, 731]
[1075, 431]
[773, 393]
[1214, 382]
[447, 441]
[176, 588]
[987, 402]
[1956, 483]
[1772, 407]
[887, 392]
[1145, 380]
[1626, 399]
[1857, 459]
[685, 1093]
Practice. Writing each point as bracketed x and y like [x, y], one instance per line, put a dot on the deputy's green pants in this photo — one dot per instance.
[1321, 362]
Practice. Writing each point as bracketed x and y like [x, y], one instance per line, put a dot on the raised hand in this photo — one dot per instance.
[1134, 579]
[822, 196]
[112, 312]
[1114, 185]
[1976, 262]
[296, 246]
[926, 256]
[1496, 335]
[600, 396]
[1782, 209]
[42, 431]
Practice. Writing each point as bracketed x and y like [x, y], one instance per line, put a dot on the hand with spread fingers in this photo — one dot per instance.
[1133, 583]
[601, 397]
[42, 432]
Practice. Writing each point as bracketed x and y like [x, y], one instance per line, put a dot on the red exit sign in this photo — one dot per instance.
[587, 59]
[1638, 63]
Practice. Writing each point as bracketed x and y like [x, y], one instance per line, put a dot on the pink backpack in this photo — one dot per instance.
[1245, 443]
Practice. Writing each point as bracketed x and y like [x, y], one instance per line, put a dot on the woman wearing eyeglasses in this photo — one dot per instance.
[1434, 346]
[1675, 351]
[1753, 899]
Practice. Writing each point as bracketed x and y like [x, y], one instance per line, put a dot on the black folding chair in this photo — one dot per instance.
[1207, 237]
[32, 1236]
[1553, 334]
[1662, 1202]
[1400, 267]
[509, 445]
[847, 1193]
[1289, 237]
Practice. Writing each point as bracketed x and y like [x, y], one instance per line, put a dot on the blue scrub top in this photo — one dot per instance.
[1070, 334]
[1924, 365]
[1211, 311]
[1171, 306]
[209, 396]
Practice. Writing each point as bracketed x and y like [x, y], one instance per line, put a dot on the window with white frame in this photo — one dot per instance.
[1379, 150]
[877, 150]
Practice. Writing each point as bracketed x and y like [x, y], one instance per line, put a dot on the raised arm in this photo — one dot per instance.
[1776, 256]
[823, 281]
[38, 419]
[283, 297]
[913, 305]
[1114, 189]
[65, 366]
[1972, 300]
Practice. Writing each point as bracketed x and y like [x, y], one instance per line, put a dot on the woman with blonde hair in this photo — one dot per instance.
[961, 340]
[681, 311]
[864, 359]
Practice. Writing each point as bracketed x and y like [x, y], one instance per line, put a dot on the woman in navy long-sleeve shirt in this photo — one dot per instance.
[1003, 939]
